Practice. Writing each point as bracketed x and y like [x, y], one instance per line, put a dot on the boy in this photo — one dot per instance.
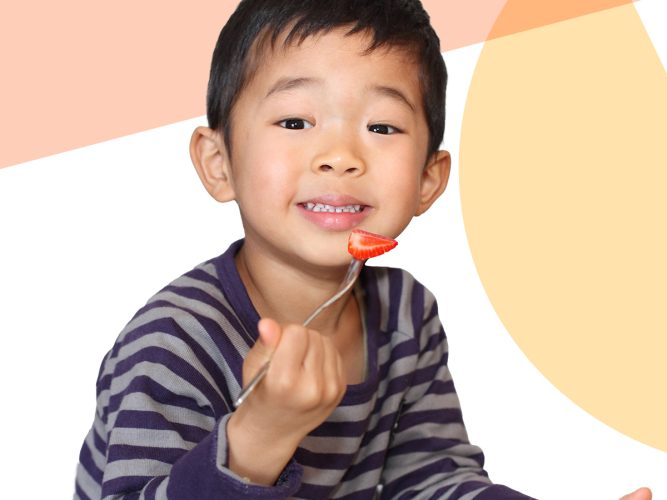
[324, 116]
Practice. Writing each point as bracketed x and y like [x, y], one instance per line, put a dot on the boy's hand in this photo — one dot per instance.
[640, 494]
[304, 384]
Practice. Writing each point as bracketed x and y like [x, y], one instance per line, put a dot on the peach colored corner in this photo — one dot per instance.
[77, 73]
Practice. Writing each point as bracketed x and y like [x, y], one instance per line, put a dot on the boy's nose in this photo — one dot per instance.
[338, 167]
[341, 158]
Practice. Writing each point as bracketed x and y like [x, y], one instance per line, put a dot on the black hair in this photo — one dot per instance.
[392, 23]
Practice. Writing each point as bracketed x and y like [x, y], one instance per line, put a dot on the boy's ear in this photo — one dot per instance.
[210, 158]
[434, 179]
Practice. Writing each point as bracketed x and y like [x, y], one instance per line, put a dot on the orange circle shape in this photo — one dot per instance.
[563, 179]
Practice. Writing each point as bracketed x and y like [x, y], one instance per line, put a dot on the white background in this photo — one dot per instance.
[86, 237]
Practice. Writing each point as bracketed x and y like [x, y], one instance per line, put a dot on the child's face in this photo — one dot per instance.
[324, 123]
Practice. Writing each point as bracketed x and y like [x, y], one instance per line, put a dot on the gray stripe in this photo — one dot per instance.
[455, 481]
[472, 494]
[149, 438]
[98, 458]
[136, 467]
[87, 484]
[348, 414]
[176, 414]
[368, 479]
[209, 268]
[158, 373]
[455, 431]
[383, 296]
[196, 331]
[405, 324]
[161, 491]
[174, 345]
[322, 444]
[191, 282]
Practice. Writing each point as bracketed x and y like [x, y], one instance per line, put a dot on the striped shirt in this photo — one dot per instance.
[165, 393]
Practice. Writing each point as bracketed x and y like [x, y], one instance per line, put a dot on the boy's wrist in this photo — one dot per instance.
[255, 453]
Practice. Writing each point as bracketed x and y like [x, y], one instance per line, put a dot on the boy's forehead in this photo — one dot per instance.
[287, 42]
[330, 57]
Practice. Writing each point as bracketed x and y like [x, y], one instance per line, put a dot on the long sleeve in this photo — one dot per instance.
[429, 455]
[164, 397]
[165, 393]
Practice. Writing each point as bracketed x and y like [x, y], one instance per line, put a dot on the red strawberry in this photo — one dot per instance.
[364, 245]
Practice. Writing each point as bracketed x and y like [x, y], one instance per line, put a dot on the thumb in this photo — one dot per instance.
[269, 334]
[640, 494]
[260, 353]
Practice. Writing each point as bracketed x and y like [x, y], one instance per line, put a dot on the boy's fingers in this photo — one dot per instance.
[314, 358]
[291, 351]
[333, 372]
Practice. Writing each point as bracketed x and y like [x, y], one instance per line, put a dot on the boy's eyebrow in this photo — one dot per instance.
[288, 83]
[393, 93]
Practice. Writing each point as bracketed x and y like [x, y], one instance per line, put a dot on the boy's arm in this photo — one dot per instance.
[430, 455]
[160, 430]
[304, 384]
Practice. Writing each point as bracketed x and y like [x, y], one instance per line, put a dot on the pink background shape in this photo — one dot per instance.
[76, 73]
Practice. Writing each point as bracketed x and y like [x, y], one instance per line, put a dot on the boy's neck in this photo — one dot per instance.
[287, 295]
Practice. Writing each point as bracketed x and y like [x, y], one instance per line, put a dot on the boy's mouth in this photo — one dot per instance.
[334, 212]
[323, 207]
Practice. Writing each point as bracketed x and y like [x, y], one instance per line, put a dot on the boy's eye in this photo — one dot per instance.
[295, 124]
[379, 128]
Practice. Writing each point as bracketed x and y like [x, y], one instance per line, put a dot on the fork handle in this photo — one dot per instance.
[253, 383]
[350, 278]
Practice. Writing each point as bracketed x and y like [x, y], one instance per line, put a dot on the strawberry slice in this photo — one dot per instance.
[364, 245]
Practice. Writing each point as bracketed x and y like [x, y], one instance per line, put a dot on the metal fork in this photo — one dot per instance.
[350, 277]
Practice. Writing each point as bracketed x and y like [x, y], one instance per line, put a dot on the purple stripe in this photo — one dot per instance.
[432, 444]
[368, 280]
[332, 461]
[214, 329]
[374, 461]
[417, 304]
[432, 313]
[151, 488]
[199, 295]
[440, 387]
[168, 326]
[383, 426]
[180, 367]
[100, 444]
[340, 429]
[146, 385]
[433, 342]
[366, 494]
[500, 492]
[395, 386]
[395, 291]
[130, 452]
[313, 491]
[87, 462]
[438, 416]
[427, 373]
[199, 274]
[402, 350]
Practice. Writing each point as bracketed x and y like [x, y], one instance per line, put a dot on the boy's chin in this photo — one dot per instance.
[326, 258]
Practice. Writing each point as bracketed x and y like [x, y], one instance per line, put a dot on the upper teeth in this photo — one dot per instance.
[320, 207]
